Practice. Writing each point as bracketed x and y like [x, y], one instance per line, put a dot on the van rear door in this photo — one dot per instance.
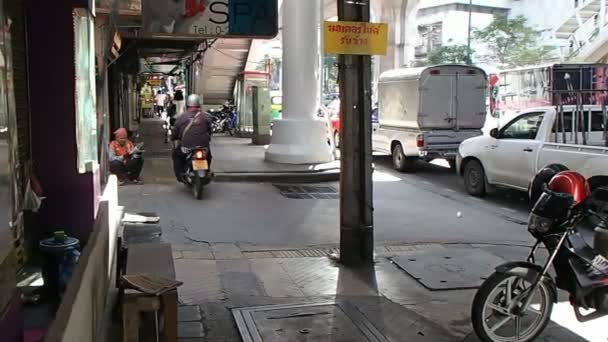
[470, 99]
[452, 97]
[437, 92]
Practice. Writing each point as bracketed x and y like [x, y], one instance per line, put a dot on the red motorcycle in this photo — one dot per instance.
[514, 304]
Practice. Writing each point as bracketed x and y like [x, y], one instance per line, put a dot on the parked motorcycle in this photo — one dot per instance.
[514, 304]
[224, 120]
[198, 173]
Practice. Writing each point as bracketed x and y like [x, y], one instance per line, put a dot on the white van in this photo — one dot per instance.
[425, 113]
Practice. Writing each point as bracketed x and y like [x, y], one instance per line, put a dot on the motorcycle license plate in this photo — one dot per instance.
[198, 165]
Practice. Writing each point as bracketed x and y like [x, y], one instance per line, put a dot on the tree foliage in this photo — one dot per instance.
[511, 42]
[449, 54]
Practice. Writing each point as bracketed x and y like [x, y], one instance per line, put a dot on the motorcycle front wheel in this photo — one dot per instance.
[498, 314]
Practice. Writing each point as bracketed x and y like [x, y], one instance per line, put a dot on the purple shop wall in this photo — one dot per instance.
[70, 196]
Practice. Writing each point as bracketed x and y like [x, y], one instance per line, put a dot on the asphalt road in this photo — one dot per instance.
[427, 206]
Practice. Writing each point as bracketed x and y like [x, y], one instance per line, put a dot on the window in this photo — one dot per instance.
[525, 127]
[567, 122]
[597, 122]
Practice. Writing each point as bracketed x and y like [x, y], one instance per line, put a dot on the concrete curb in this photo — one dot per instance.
[278, 177]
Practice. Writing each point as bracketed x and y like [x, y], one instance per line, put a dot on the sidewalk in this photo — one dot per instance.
[237, 159]
[382, 304]
[234, 160]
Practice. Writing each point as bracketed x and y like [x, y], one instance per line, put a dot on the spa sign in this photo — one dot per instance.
[355, 38]
[210, 18]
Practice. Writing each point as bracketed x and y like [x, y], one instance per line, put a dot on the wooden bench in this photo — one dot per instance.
[157, 259]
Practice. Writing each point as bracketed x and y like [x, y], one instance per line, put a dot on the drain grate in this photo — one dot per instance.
[296, 191]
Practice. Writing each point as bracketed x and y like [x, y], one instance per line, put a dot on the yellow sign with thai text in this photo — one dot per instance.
[355, 38]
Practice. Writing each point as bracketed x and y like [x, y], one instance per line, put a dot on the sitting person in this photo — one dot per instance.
[125, 163]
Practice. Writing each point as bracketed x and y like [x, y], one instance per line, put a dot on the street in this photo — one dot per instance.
[247, 244]
[409, 208]
[428, 206]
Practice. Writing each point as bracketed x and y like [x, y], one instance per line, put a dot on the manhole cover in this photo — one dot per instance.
[307, 191]
[449, 269]
[329, 321]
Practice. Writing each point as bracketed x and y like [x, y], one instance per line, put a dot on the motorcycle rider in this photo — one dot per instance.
[192, 129]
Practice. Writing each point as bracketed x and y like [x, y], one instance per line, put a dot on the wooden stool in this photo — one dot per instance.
[157, 259]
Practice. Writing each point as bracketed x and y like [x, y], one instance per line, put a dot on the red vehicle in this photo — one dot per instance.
[334, 120]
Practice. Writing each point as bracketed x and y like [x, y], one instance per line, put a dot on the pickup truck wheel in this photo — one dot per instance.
[402, 163]
[475, 179]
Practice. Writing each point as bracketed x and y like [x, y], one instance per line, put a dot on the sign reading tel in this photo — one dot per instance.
[211, 18]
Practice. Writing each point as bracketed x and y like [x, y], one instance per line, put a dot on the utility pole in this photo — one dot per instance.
[469, 60]
[356, 192]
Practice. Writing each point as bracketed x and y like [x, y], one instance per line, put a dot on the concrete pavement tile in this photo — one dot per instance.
[237, 277]
[396, 322]
[454, 318]
[397, 285]
[413, 248]
[204, 254]
[276, 281]
[190, 329]
[201, 281]
[513, 253]
[557, 333]
[257, 255]
[223, 251]
[222, 330]
[189, 313]
[213, 311]
[313, 276]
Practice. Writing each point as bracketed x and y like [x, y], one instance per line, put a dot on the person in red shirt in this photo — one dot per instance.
[125, 163]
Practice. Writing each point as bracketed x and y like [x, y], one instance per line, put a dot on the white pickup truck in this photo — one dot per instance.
[535, 139]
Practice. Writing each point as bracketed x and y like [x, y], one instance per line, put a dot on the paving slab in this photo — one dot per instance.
[452, 269]
[190, 330]
[201, 281]
[237, 277]
[189, 313]
[226, 251]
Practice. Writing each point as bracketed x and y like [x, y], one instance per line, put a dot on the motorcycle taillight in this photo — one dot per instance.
[199, 155]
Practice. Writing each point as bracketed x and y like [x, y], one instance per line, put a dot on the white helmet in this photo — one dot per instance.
[193, 101]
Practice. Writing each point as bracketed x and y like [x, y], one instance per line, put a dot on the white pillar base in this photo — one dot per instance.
[299, 142]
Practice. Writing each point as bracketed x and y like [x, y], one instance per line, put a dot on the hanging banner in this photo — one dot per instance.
[210, 18]
[355, 38]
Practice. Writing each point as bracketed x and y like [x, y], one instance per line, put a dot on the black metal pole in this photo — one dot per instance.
[356, 192]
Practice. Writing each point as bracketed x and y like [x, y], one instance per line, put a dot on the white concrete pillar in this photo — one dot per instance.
[298, 138]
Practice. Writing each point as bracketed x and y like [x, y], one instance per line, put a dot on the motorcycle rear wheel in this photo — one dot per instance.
[491, 303]
[197, 188]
